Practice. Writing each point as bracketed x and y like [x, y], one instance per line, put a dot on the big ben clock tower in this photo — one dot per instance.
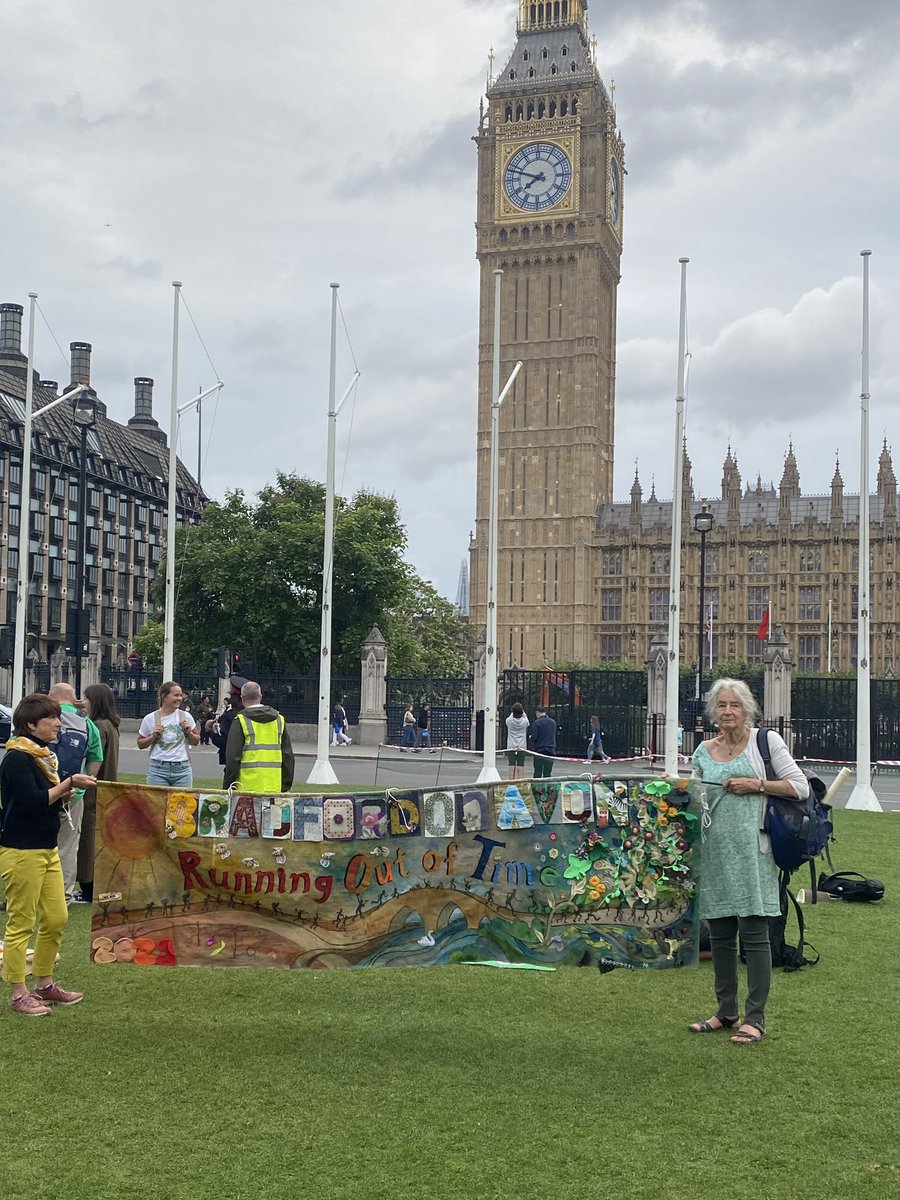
[550, 176]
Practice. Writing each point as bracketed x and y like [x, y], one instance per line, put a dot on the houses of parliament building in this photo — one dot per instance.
[582, 579]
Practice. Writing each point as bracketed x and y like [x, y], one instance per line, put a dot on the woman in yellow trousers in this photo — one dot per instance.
[33, 799]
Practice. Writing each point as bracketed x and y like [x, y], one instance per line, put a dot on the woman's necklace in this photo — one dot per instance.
[732, 751]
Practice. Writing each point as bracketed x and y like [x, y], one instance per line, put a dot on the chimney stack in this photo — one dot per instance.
[12, 360]
[143, 421]
[81, 362]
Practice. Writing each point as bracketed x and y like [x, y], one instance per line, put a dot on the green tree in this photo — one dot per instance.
[250, 576]
[148, 643]
[426, 635]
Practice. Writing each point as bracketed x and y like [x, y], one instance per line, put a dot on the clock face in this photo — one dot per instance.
[615, 191]
[537, 176]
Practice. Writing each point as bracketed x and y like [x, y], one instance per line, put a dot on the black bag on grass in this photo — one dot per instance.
[850, 885]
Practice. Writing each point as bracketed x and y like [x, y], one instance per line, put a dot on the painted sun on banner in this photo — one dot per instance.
[547, 872]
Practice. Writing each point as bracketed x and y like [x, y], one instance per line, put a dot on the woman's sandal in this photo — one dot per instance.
[748, 1035]
[708, 1027]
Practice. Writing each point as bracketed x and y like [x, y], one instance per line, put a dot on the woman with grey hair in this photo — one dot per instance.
[739, 880]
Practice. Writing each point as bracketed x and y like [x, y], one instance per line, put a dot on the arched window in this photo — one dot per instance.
[512, 74]
[574, 66]
[545, 53]
[570, 230]
[574, 102]
[552, 109]
[519, 111]
[563, 108]
[553, 69]
[509, 112]
[548, 233]
[531, 72]
[542, 109]
[530, 110]
[565, 51]
[525, 56]
[504, 236]
[526, 235]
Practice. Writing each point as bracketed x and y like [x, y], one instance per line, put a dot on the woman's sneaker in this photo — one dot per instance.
[29, 1005]
[52, 993]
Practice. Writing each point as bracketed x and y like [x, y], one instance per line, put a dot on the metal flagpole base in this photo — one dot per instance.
[863, 796]
[322, 772]
[489, 774]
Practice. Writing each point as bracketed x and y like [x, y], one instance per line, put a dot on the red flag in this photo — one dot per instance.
[763, 632]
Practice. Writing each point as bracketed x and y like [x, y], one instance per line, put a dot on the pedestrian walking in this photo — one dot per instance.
[423, 723]
[595, 742]
[408, 735]
[339, 736]
[167, 733]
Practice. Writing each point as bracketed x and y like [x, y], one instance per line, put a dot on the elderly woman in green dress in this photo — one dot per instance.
[739, 880]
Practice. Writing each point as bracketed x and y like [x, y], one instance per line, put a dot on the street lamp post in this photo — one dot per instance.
[85, 416]
[703, 523]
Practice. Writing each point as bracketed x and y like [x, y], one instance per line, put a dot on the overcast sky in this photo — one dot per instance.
[260, 152]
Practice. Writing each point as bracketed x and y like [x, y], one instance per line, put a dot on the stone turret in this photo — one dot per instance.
[837, 493]
[887, 481]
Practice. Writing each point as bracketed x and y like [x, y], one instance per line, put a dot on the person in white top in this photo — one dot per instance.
[167, 733]
[516, 741]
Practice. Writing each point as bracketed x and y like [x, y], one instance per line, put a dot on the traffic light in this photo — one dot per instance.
[7, 645]
[220, 662]
[237, 660]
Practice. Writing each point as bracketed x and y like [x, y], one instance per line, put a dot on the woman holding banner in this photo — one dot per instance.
[738, 890]
[167, 733]
[33, 800]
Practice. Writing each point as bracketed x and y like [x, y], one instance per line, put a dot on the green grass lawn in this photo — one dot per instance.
[465, 1082]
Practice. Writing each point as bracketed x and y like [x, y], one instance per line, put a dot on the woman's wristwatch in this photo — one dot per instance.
[762, 786]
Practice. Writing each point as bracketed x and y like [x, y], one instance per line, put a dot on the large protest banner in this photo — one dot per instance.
[545, 872]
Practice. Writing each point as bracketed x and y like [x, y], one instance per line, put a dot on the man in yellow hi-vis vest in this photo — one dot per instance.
[258, 753]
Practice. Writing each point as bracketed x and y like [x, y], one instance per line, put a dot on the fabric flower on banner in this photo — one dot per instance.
[577, 868]
[657, 787]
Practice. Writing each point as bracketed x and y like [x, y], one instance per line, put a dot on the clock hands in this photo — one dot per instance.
[540, 178]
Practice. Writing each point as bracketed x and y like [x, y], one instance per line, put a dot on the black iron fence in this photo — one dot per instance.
[823, 717]
[618, 698]
[295, 696]
[451, 707]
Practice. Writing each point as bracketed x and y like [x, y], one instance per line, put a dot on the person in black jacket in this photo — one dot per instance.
[218, 729]
[32, 801]
[542, 735]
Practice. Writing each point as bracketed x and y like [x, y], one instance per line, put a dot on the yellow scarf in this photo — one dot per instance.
[42, 755]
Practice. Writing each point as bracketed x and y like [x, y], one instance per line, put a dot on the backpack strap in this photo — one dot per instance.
[762, 745]
[786, 894]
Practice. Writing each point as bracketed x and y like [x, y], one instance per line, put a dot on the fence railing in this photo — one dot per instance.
[295, 696]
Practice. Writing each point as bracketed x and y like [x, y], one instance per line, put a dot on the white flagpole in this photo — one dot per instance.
[489, 772]
[323, 771]
[169, 619]
[863, 795]
[22, 576]
[710, 636]
[671, 756]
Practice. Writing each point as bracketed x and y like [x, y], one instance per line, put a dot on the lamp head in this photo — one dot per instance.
[85, 411]
[704, 519]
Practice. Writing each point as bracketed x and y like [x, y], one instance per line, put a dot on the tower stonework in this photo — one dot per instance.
[549, 215]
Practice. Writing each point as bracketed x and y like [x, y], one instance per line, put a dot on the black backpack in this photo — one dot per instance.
[799, 833]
